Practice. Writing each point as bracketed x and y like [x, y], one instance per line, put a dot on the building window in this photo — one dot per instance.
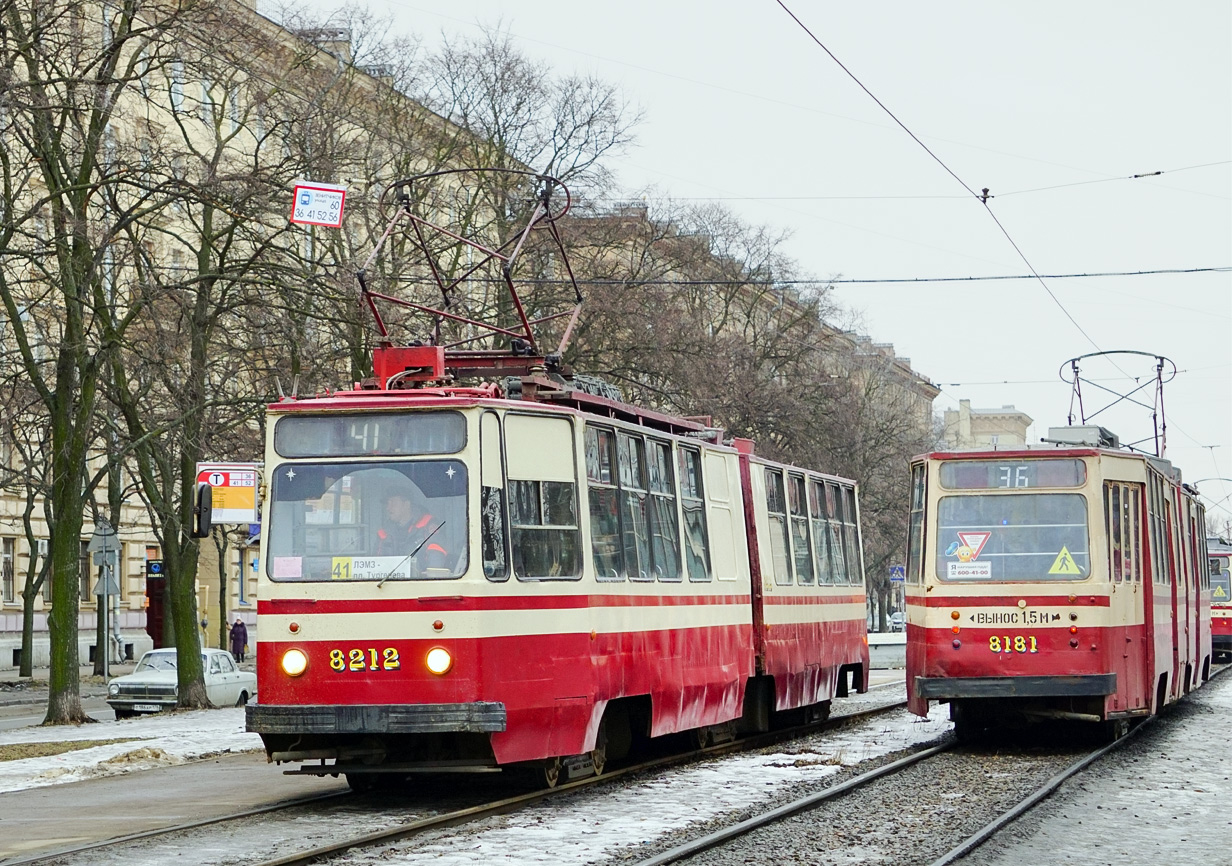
[177, 85]
[84, 569]
[6, 570]
[44, 550]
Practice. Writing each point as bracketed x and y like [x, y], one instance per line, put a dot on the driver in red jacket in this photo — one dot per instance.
[407, 528]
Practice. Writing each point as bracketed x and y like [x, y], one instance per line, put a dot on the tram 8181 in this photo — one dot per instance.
[1059, 582]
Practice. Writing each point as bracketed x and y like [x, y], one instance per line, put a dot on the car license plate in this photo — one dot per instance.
[146, 708]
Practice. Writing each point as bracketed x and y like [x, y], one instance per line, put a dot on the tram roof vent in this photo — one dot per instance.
[1090, 435]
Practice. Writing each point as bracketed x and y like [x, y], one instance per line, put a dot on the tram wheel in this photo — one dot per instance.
[1114, 729]
[552, 771]
[598, 755]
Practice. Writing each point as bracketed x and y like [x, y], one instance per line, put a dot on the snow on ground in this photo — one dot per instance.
[599, 823]
[159, 741]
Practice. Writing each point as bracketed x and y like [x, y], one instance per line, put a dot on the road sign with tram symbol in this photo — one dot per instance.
[318, 204]
[234, 490]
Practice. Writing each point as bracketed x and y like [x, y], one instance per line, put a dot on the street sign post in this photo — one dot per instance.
[105, 545]
[234, 491]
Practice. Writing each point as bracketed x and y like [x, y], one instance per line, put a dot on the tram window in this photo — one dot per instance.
[635, 520]
[1112, 508]
[603, 496]
[802, 550]
[1159, 568]
[728, 556]
[915, 530]
[664, 519]
[543, 519]
[368, 521]
[776, 506]
[544, 535]
[834, 515]
[851, 537]
[821, 534]
[372, 434]
[1010, 537]
[693, 505]
[492, 500]
[1136, 511]
[1122, 530]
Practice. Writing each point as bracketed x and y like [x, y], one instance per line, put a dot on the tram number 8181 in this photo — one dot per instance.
[1017, 644]
[371, 659]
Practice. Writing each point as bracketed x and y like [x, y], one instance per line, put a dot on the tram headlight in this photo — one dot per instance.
[294, 662]
[439, 660]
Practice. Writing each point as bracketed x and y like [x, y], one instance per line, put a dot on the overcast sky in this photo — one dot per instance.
[1052, 106]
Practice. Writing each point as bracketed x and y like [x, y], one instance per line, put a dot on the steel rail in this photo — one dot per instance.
[787, 810]
[1048, 788]
[1032, 800]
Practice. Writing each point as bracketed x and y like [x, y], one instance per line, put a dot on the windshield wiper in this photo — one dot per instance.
[426, 539]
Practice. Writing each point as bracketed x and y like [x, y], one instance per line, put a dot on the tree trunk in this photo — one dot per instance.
[27, 626]
[182, 578]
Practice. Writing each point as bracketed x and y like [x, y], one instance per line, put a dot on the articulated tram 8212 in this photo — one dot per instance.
[1067, 581]
[528, 573]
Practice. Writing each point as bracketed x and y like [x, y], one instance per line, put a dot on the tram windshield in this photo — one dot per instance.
[1010, 537]
[367, 521]
[1221, 581]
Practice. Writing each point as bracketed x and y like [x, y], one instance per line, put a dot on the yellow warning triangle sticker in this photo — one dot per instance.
[1220, 593]
[1064, 564]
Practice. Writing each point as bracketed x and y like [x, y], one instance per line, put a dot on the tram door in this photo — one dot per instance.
[1129, 600]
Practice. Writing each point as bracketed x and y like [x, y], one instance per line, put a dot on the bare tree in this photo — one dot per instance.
[65, 69]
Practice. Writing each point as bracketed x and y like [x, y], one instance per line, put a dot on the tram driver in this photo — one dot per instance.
[410, 528]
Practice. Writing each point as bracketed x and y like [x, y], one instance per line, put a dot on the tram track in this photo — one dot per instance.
[731, 844]
[197, 834]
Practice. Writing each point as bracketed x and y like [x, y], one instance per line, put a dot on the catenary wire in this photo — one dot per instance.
[912, 197]
[983, 199]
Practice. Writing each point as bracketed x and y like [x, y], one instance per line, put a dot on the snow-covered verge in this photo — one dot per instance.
[156, 741]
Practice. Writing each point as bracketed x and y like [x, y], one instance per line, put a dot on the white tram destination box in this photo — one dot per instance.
[969, 570]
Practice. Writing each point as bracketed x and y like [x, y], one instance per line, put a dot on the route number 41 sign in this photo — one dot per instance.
[318, 204]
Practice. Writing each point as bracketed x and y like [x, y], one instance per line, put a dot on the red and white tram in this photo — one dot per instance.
[1219, 553]
[460, 580]
[1054, 583]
